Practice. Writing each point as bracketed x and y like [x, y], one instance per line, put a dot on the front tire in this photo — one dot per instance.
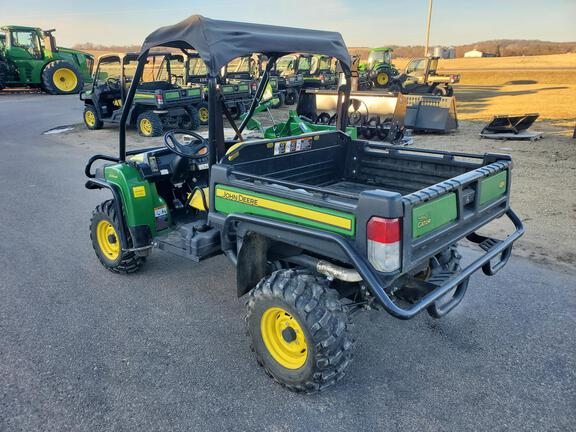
[60, 77]
[104, 229]
[299, 330]
[91, 119]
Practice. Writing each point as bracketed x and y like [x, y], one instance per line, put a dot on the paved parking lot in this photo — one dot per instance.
[83, 349]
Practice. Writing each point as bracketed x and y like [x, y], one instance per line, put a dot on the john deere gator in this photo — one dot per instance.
[318, 225]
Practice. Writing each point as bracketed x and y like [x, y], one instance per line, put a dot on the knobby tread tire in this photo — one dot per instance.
[128, 262]
[321, 315]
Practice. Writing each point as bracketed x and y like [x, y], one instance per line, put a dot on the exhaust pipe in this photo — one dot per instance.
[327, 268]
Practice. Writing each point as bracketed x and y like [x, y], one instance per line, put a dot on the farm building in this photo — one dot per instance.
[478, 53]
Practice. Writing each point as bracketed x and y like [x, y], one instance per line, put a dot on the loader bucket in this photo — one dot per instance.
[427, 113]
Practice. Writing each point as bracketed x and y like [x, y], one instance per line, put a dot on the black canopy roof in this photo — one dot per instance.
[219, 42]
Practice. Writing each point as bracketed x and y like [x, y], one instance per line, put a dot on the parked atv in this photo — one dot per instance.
[421, 77]
[318, 225]
[158, 104]
[30, 57]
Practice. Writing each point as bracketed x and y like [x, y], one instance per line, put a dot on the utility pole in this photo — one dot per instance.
[428, 28]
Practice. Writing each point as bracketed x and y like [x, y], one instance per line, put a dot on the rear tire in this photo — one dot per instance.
[203, 113]
[382, 79]
[190, 121]
[280, 101]
[60, 77]
[291, 96]
[149, 124]
[299, 330]
[104, 229]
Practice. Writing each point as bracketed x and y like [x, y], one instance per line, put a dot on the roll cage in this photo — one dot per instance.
[217, 43]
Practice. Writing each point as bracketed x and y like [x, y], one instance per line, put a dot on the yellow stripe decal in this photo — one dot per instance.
[314, 215]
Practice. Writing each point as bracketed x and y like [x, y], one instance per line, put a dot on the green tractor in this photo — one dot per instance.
[380, 68]
[30, 57]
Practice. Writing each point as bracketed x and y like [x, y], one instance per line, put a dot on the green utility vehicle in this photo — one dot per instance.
[319, 71]
[290, 80]
[158, 104]
[380, 68]
[29, 57]
[236, 94]
[318, 225]
[421, 77]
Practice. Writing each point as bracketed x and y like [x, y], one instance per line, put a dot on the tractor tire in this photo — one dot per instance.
[104, 228]
[449, 91]
[291, 96]
[190, 121]
[203, 113]
[382, 79]
[280, 100]
[149, 124]
[91, 119]
[299, 330]
[60, 77]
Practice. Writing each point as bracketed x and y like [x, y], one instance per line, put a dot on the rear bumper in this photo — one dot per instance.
[434, 302]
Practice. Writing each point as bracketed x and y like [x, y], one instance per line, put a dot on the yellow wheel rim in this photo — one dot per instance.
[65, 79]
[146, 126]
[382, 79]
[90, 118]
[203, 114]
[108, 240]
[284, 338]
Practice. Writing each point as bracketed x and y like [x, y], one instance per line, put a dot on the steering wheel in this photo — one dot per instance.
[113, 83]
[197, 149]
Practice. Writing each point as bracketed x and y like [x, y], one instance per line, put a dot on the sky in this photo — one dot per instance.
[361, 22]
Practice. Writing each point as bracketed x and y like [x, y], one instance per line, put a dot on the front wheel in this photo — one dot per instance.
[291, 96]
[299, 330]
[107, 243]
[91, 119]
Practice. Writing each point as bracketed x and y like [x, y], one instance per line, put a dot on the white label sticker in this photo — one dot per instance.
[160, 211]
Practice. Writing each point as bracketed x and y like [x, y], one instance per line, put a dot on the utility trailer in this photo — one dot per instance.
[319, 226]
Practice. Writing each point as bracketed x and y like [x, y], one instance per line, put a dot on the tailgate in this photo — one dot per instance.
[440, 215]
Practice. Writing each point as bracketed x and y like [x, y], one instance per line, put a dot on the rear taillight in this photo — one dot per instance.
[159, 99]
[254, 86]
[384, 243]
[322, 78]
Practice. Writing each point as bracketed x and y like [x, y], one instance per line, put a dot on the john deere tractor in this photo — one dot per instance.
[380, 68]
[29, 57]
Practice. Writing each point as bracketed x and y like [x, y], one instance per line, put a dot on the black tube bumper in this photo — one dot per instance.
[431, 301]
